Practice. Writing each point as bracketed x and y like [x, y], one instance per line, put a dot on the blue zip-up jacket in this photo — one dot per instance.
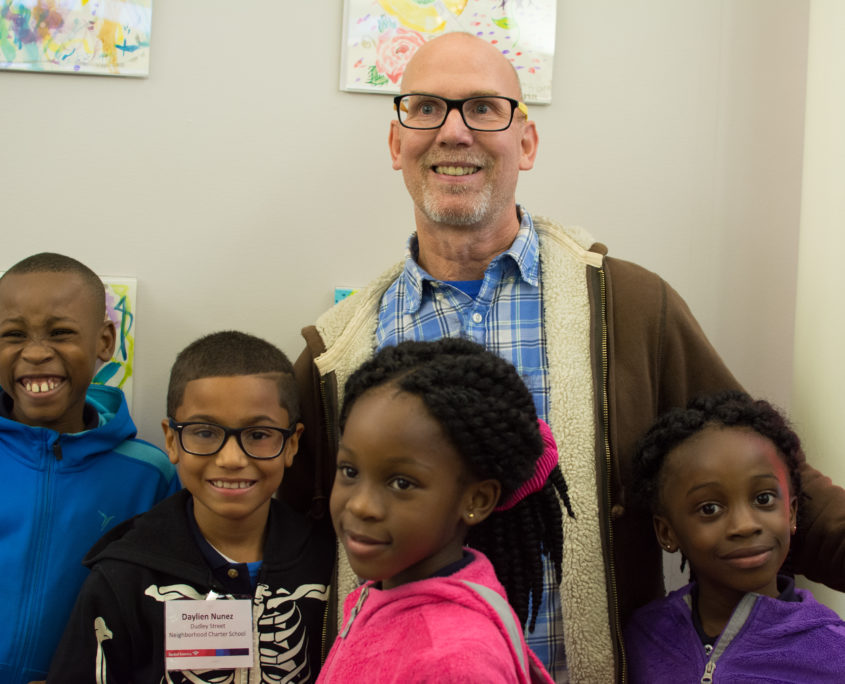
[61, 493]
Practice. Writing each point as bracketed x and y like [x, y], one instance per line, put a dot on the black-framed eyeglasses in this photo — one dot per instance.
[482, 113]
[256, 441]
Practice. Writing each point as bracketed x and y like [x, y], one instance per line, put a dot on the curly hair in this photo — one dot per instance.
[730, 408]
[489, 416]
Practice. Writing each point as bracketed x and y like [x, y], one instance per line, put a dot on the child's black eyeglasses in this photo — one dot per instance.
[256, 441]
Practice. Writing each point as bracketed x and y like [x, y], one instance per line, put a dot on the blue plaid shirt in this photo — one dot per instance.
[506, 317]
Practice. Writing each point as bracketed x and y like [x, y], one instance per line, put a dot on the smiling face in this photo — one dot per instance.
[51, 337]
[229, 487]
[726, 504]
[402, 500]
[457, 176]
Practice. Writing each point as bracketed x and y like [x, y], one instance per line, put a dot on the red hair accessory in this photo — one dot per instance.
[545, 464]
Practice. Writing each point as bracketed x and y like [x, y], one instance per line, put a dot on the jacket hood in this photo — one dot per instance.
[159, 540]
[27, 443]
[814, 616]
[778, 624]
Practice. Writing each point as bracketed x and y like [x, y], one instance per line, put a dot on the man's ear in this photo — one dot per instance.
[666, 536]
[394, 143]
[171, 442]
[106, 341]
[480, 500]
[528, 144]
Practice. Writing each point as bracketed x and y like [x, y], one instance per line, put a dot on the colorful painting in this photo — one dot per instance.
[380, 36]
[105, 37]
[121, 295]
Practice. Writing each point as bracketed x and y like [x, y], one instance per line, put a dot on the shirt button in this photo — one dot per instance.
[232, 573]
[476, 317]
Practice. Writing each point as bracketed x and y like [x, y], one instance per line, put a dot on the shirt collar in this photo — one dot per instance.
[524, 253]
[234, 577]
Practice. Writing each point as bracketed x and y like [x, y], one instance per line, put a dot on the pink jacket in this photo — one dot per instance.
[439, 629]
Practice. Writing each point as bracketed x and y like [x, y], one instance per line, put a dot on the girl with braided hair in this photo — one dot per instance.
[445, 480]
[721, 479]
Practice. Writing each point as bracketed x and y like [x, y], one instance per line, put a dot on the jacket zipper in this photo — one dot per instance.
[323, 634]
[333, 595]
[355, 610]
[37, 563]
[329, 431]
[737, 621]
[613, 598]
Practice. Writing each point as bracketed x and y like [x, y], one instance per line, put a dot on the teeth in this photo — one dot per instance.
[36, 387]
[226, 484]
[456, 170]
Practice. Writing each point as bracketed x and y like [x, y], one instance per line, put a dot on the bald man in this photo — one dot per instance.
[604, 346]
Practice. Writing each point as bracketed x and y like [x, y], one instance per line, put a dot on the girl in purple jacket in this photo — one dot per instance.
[441, 447]
[721, 479]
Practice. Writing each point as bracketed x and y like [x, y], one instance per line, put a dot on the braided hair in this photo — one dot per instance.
[488, 415]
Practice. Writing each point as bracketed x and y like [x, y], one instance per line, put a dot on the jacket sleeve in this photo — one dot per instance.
[96, 647]
[307, 482]
[818, 549]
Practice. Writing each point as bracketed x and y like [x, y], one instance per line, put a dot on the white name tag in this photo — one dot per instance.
[203, 635]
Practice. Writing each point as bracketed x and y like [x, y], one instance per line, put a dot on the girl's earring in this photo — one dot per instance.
[470, 515]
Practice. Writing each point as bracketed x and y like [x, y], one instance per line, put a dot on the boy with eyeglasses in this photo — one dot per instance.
[166, 596]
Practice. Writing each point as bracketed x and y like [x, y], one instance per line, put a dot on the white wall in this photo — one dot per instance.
[818, 401]
[240, 186]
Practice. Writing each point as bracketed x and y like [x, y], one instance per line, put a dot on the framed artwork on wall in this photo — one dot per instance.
[119, 371]
[100, 37]
[380, 36]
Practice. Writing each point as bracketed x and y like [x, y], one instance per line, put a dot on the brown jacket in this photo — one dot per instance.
[622, 348]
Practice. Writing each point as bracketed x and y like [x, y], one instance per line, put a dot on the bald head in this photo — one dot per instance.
[461, 52]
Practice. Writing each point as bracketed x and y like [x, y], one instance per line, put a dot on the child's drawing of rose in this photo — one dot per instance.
[395, 48]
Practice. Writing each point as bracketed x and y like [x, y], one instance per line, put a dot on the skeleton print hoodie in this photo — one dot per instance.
[116, 633]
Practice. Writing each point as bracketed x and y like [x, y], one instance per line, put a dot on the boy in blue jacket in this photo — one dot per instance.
[69, 460]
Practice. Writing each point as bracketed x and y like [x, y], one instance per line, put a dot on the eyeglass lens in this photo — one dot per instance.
[258, 442]
[484, 113]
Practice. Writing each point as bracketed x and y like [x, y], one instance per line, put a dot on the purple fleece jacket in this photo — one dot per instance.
[766, 640]
[434, 630]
